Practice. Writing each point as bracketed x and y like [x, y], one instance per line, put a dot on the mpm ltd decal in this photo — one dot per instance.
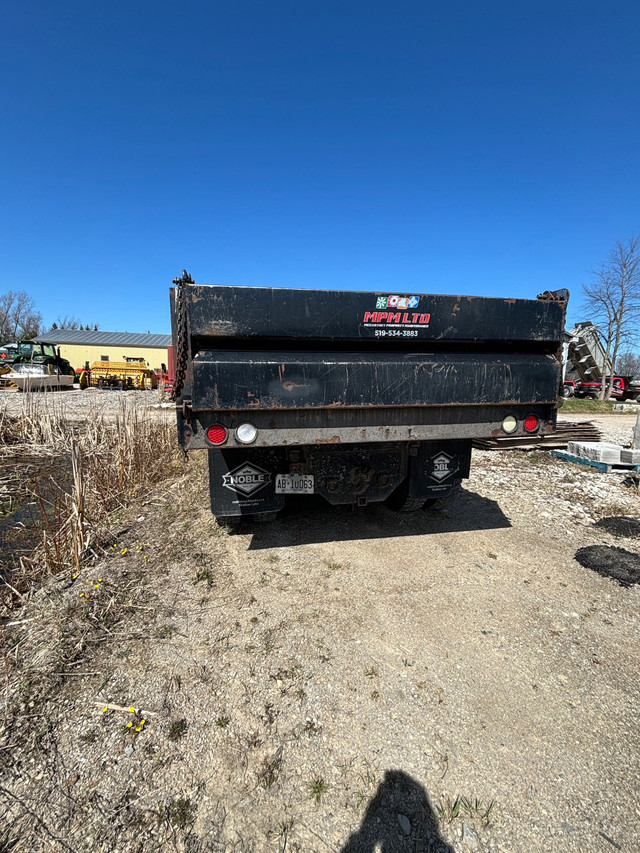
[442, 466]
[246, 479]
[397, 310]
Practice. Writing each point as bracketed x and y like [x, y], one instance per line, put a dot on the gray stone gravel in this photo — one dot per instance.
[402, 662]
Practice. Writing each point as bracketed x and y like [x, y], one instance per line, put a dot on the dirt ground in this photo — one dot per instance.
[350, 681]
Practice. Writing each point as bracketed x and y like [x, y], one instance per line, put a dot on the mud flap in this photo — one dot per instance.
[437, 467]
[242, 482]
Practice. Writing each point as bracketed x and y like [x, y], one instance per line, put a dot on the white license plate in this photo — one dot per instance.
[298, 484]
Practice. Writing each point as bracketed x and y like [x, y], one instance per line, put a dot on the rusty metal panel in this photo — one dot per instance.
[297, 427]
[344, 474]
[285, 380]
[391, 317]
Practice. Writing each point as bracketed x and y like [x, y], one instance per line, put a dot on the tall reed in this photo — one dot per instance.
[86, 464]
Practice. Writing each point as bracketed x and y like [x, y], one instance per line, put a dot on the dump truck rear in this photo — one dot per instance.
[357, 397]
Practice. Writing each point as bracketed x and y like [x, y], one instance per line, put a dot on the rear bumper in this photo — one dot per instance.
[356, 426]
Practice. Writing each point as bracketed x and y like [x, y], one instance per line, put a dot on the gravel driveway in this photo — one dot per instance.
[344, 680]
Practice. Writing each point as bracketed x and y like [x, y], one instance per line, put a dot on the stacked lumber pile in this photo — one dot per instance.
[566, 431]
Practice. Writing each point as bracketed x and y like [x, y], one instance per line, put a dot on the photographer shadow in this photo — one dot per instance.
[398, 818]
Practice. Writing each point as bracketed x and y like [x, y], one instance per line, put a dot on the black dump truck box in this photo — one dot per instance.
[312, 390]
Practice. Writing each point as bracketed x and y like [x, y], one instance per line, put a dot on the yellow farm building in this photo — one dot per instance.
[79, 346]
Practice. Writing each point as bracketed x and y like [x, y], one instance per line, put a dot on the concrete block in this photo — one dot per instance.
[630, 457]
[581, 448]
[573, 447]
[596, 451]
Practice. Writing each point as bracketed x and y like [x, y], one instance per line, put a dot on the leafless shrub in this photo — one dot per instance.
[69, 477]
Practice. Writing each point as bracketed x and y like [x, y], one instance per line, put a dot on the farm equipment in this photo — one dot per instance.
[34, 366]
[165, 375]
[130, 374]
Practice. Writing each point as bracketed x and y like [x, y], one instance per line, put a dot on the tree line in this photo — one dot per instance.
[21, 320]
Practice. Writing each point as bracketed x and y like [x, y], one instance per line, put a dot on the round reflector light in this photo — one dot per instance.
[246, 433]
[509, 424]
[217, 434]
[531, 423]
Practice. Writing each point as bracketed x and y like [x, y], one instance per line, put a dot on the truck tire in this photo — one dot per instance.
[447, 500]
[409, 505]
[265, 517]
[400, 501]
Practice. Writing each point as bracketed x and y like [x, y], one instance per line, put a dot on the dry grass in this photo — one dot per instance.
[62, 480]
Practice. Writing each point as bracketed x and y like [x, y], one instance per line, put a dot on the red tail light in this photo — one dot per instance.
[531, 423]
[217, 434]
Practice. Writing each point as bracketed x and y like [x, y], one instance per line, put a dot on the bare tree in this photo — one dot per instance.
[19, 318]
[613, 298]
[68, 322]
[628, 364]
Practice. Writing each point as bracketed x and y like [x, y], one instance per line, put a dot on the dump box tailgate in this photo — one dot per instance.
[282, 380]
[327, 366]
[219, 311]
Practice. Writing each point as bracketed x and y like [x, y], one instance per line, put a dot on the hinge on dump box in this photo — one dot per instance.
[561, 296]
[186, 411]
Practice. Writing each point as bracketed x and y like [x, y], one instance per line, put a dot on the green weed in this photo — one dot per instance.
[177, 730]
[181, 813]
[204, 576]
[317, 789]
[270, 770]
[449, 810]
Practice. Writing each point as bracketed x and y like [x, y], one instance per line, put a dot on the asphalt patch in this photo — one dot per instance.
[610, 562]
[620, 525]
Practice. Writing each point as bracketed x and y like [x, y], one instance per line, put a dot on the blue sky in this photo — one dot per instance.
[483, 148]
